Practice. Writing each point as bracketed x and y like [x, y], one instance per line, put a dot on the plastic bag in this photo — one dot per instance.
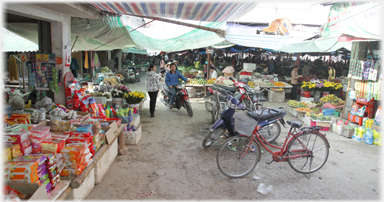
[360, 112]
[328, 111]
[229, 70]
[378, 116]
[354, 109]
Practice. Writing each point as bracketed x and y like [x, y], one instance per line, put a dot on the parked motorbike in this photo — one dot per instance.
[182, 99]
[269, 130]
[133, 74]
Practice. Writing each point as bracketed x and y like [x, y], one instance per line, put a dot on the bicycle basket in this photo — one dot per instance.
[244, 124]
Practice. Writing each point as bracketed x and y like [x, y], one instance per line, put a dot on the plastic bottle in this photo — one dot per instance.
[376, 137]
[368, 136]
[107, 113]
[360, 133]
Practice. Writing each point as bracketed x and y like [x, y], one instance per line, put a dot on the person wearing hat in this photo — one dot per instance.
[294, 81]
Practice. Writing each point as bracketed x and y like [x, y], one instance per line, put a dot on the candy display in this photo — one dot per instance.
[60, 125]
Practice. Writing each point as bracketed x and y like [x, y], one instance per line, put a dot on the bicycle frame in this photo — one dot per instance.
[280, 155]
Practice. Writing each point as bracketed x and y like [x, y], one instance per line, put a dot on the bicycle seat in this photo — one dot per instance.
[267, 114]
[231, 89]
[295, 124]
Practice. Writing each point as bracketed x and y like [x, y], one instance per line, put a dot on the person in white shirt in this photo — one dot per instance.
[166, 58]
[214, 74]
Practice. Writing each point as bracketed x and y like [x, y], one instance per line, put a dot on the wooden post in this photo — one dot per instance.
[208, 66]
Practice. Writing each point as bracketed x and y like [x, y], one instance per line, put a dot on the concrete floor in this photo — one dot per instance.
[169, 163]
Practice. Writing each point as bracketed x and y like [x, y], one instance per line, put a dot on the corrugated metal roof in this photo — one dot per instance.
[299, 13]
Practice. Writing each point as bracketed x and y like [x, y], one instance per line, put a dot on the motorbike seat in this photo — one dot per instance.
[267, 114]
[295, 124]
[231, 89]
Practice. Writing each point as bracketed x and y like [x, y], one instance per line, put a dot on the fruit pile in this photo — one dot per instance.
[277, 89]
[251, 84]
[334, 100]
[319, 117]
[278, 84]
[197, 82]
[246, 73]
[293, 103]
[211, 81]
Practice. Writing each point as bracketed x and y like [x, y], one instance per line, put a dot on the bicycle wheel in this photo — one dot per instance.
[270, 132]
[213, 113]
[212, 136]
[236, 158]
[318, 153]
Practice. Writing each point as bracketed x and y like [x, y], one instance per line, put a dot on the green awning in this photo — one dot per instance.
[135, 50]
[15, 43]
[317, 46]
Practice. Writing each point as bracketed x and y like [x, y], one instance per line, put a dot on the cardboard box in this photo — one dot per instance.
[110, 134]
[37, 192]
[228, 75]
[136, 121]
[348, 133]
[132, 137]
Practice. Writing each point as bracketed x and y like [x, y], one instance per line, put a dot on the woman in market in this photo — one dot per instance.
[214, 74]
[331, 73]
[294, 77]
[152, 87]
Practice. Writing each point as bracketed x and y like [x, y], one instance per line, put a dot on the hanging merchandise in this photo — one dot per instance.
[368, 89]
[53, 84]
[86, 66]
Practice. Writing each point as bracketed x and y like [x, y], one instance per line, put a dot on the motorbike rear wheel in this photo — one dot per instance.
[188, 108]
[208, 105]
[212, 136]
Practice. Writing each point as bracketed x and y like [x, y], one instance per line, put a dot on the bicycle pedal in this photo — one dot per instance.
[270, 162]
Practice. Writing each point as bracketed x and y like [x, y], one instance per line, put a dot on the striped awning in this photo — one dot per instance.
[14, 43]
[198, 11]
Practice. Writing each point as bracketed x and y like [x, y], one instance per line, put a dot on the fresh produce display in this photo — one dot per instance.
[251, 84]
[224, 81]
[315, 110]
[246, 73]
[211, 81]
[197, 81]
[278, 84]
[268, 83]
[319, 117]
[277, 89]
[303, 110]
[293, 103]
[334, 100]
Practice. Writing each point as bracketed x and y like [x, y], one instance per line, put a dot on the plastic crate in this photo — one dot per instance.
[313, 123]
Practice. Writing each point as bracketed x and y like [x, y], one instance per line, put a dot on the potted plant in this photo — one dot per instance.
[328, 87]
[308, 87]
[134, 98]
[117, 94]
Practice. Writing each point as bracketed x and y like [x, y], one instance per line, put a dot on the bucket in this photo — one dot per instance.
[307, 93]
[325, 93]
[118, 102]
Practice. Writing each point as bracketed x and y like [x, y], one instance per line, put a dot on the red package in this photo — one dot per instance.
[15, 137]
[39, 131]
[101, 110]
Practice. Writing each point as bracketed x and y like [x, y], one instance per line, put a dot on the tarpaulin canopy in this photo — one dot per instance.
[319, 45]
[107, 34]
[357, 19]
[246, 36]
[198, 11]
[15, 43]
[135, 50]
[192, 40]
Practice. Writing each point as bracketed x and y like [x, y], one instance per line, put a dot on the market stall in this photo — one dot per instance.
[65, 150]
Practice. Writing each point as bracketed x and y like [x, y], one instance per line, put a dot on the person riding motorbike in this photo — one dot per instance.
[171, 79]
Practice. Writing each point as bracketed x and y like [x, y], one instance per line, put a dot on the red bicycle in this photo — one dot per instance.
[305, 149]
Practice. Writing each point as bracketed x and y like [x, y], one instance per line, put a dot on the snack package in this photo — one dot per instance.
[15, 150]
[84, 104]
[9, 191]
[60, 126]
[7, 155]
[84, 128]
[15, 137]
[39, 158]
[39, 130]
[21, 167]
[354, 109]
[52, 146]
[101, 110]
[93, 109]
[23, 177]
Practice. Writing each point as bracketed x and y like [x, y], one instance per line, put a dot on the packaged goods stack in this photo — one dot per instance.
[20, 138]
[16, 171]
[55, 164]
[37, 135]
[74, 157]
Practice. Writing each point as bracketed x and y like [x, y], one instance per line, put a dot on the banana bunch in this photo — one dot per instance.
[251, 84]
[210, 81]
